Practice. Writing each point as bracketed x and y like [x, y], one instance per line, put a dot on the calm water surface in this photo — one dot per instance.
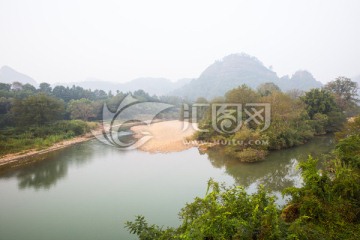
[89, 190]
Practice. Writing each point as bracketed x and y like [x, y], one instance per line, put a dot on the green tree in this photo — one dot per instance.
[319, 101]
[268, 88]
[29, 87]
[16, 86]
[5, 86]
[224, 213]
[289, 121]
[345, 91]
[37, 109]
[295, 93]
[323, 110]
[242, 95]
[45, 88]
[351, 127]
[81, 109]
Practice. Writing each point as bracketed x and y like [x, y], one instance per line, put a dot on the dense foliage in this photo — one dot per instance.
[17, 139]
[327, 206]
[25, 105]
[345, 92]
[295, 118]
[39, 117]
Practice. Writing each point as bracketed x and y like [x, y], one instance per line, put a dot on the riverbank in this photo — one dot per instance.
[14, 158]
[167, 136]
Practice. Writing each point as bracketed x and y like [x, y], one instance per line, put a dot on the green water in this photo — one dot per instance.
[89, 190]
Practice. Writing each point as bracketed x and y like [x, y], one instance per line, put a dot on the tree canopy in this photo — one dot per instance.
[37, 109]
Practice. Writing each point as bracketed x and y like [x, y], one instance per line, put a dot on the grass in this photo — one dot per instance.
[13, 140]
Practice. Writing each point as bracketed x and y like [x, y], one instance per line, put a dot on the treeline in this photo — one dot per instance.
[296, 117]
[327, 206]
[25, 105]
[36, 118]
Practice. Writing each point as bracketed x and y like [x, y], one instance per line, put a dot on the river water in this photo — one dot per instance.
[89, 190]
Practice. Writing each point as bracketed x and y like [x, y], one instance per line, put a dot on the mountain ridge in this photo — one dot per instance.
[223, 75]
[238, 69]
[10, 75]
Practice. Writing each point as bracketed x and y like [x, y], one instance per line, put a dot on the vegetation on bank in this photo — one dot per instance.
[17, 139]
[36, 118]
[327, 206]
[23, 104]
[295, 117]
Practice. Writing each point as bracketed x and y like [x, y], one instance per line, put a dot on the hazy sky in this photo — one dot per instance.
[71, 40]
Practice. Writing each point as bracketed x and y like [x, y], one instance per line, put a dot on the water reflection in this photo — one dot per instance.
[43, 172]
[278, 171]
[94, 181]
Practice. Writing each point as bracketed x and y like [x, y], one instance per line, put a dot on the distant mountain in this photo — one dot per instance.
[9, 75]
[237, 69]
[302, 80]
[157, 86]
[221, 76]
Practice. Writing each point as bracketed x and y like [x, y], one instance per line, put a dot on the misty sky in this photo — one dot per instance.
[64, 41]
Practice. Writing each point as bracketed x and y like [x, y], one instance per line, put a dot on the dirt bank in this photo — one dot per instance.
[167, 137]
[15, 158]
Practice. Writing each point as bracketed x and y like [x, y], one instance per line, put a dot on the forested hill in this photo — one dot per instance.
[238, 69]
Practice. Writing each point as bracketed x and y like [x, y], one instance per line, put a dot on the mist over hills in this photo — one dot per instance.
[218, 78]
[9, 75]
[301, 79]
[153, 86]
[237, 69]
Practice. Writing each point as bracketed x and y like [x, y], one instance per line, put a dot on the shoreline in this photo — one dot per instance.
[162, 143]
[15, 158]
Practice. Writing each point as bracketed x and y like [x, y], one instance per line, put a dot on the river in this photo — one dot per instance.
[88, 191]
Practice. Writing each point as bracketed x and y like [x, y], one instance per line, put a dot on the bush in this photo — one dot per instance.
[224, 213]
[251, 155]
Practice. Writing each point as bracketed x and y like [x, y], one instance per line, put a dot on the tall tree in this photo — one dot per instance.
[242, 94]
[16, 86]
[45, 88]
[345, 91]
[37, 109]
[319, 101]
[81, 109]
[322, 109]
[268, 88]
[5, 86]
[28, 87]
